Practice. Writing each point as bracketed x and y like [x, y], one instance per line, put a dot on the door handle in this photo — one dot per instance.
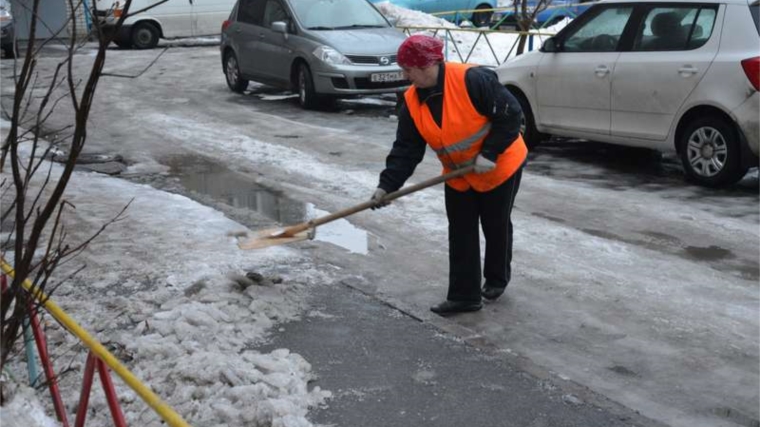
[687, 70]
[261, 35]
[601, 70]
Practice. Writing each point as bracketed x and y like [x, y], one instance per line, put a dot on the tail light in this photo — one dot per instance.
[226, 24]
[752, 70]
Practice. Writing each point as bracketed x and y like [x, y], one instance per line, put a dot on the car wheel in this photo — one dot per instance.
[482, 19]
[235, 80]
[144, 35]
[710, 152]
[531, 135]
[307, 96]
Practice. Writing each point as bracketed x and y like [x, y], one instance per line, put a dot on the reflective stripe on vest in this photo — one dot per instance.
[459, 138]
[466, 143]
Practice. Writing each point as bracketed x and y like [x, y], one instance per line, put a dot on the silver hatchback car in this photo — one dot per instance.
[671, 75]
[323, 49]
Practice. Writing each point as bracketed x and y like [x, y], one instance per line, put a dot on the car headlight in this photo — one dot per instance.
[330, 55]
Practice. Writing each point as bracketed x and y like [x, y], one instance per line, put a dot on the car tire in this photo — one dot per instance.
[307, 96]
[531, 135]
[482, 19]
[232, 74]
[144, 35]
[11, 50]
[711, 152]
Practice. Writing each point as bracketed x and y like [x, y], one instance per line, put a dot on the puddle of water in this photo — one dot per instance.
[340, 233]
[200, 175]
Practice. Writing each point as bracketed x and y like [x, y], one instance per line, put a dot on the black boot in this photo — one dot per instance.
[491, 291]
[451, 307]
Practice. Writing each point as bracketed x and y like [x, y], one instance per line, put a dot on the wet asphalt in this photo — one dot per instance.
[388, 368]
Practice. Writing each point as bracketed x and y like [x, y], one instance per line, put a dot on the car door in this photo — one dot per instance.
[573, 84]
[276, 55]
[673, 47]
[208, 16]
[246, 36]
[176, 17]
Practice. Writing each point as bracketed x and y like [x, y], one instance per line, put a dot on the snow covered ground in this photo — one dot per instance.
[182, 315]
[185, 334]
[593, 292]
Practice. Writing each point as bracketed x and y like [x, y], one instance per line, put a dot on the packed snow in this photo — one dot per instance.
[178, 318]
[189, 325]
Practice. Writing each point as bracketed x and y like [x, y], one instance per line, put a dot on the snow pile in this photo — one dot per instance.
[165, 290]
[411, 18]
[22, 408]
[471, 46]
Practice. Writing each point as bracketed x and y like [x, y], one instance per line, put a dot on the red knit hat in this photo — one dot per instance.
[420, 51]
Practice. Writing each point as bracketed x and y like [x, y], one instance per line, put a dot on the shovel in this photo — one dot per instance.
[306, 230]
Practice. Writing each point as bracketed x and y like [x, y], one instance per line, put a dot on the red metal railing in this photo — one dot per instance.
[93, 363]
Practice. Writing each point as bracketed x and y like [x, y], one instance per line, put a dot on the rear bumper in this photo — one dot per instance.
[747, 116]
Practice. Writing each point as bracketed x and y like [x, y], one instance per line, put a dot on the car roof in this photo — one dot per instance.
[744, 2]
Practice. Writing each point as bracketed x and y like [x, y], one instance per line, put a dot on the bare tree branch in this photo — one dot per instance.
[141, 72]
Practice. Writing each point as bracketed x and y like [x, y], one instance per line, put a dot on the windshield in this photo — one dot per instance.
[337, 14]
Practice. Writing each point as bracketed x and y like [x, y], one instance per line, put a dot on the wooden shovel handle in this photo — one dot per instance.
[290, 231]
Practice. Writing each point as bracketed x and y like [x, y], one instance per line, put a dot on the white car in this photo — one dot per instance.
[662, 74]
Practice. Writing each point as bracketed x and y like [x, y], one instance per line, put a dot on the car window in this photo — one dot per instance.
[601, 33]
[675, 28]
[273, 12]
[337, 14]
[754, 10]
[251, 11]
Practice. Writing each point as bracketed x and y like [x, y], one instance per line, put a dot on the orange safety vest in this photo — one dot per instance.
[460, 137]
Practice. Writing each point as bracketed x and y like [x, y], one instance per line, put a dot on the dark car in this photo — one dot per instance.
[8, 30]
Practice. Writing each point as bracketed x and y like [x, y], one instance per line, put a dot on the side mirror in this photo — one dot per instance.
[280, 27]
[550, 45]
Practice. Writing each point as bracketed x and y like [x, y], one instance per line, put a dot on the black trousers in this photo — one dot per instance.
[466, 211]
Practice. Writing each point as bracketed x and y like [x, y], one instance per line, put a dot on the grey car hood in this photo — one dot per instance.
[364, 41]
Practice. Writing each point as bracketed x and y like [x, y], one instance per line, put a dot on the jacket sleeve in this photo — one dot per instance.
[408, 151]
[494, 101]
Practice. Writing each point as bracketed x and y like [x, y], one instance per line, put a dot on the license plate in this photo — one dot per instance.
[386, 77]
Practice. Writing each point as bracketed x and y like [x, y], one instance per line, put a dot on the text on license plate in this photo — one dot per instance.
[386, 77]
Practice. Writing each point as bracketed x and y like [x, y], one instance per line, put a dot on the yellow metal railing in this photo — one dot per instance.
[162, 409]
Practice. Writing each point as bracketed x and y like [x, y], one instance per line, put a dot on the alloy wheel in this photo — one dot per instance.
[707, 151]
[232, 70]
[302, 86]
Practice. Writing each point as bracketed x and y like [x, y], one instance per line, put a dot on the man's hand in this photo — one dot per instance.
[483, 165]
[377, 196]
